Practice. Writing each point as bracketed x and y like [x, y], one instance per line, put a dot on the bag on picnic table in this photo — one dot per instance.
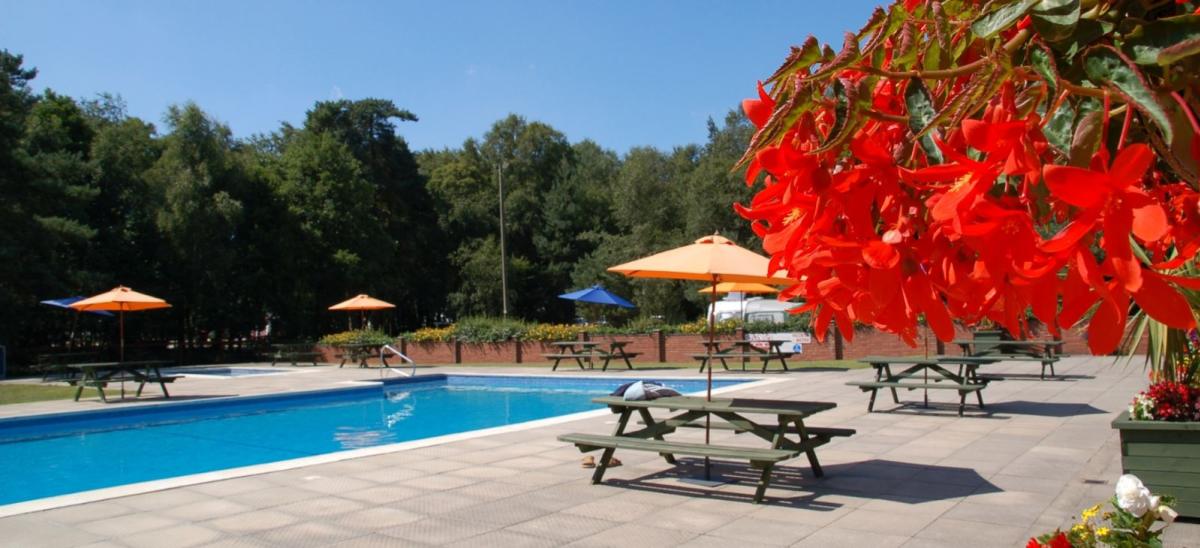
[643, 390]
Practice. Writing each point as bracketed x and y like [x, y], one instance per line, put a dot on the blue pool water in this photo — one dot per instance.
[51, 455]
[223, 371]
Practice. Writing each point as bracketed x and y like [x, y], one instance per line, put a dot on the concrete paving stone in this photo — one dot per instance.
[492, 490]
[384, 494]
[834, 537]
[708, 541]
[1024, 498]
[89, 512]
[178, 536]
[563, 527]
[911, 505]
[435, 503]
[483, 472]
[439, 465]
[970, 533]
[501, 513]
[507, 539]
[374, 540]
[888, 523]
[437, 530]
[249, 522]
[204, 509]
[231, 487]
[1005, 514]
[761, 531]
[376, 518]
[686, 519]
[127, 524]
[321, 507]
[272, 496]
[389, 474]
[612, 509]
[539, 479]
[620, 537]
[309, 533]
[100, 544]
[239, 542]
[438, 482]
[528, 463]
[332, 485]
[162, 499]
[912, 489]
[25, 531]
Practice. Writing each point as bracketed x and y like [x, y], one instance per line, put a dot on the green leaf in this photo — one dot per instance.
[1058, 128]
[920, 112]
[1179, 51]
[1043, 62]
[799, 60]
[992, 22]
[1087, 32]
[1055, 20]
[1105, 66]
[1147, 42]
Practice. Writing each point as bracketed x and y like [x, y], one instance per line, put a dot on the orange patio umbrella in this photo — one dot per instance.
[740, 287]
[120, 299]
[714, 259]
[362, 303]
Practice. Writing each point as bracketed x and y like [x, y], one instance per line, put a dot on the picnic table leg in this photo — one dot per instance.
[871, 402]
[962, 401]
[598, 475]
[763, 481]
[879, 377]
[811, 452]
[649, 420]
[555, 366]
[625, 357]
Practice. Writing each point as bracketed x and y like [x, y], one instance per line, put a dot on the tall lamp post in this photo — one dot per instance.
[503, 261]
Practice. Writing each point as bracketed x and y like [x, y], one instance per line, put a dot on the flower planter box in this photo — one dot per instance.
[1166, 456]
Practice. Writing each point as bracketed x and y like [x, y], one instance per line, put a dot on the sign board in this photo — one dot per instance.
[792, 342]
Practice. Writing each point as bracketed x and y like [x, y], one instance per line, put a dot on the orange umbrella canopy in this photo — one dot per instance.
[362, 302]
[120, 299]
[740, 287]
[709, 258]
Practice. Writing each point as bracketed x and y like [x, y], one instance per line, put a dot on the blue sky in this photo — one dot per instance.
[622, 73]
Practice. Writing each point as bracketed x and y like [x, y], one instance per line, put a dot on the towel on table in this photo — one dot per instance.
[643, 390]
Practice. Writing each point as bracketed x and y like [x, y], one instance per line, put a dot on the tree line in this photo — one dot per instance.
[272, 229]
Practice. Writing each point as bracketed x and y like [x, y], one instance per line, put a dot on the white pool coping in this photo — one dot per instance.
[96, 495]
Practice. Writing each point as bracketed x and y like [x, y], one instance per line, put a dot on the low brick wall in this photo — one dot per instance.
[658, 347]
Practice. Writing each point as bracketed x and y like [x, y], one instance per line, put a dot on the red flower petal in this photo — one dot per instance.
[1150, 223]
[1131, 164]
[1078, 187]
[1106, 328]
[1163, 303]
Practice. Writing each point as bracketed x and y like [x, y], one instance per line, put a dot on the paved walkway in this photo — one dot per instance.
[910, 477]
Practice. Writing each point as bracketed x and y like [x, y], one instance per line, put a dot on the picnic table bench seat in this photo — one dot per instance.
[816, 431]
[766, 358]
[758, 456]
[103, 383]
[590, 355]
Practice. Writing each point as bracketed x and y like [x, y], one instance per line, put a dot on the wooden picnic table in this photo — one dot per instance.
[787, 438]
[965, 380]
[357, 352]
[100, 374]
[1046, 352]
[743, 350]
[589, 351]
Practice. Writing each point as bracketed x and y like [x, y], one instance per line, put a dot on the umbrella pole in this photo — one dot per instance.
[121, 333]
[712, 337]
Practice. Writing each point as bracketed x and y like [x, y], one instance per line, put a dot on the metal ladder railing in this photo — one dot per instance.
[383, 358]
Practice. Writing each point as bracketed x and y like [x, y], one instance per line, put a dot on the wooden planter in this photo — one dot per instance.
[1165, 456]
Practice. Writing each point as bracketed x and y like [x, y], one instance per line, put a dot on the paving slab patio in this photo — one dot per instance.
[912, 476]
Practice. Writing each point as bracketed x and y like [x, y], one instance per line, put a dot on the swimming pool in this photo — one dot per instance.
[51, 455]
[223, 371]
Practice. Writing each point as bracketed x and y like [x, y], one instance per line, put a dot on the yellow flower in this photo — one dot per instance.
[1091, 512]
[1103, 532]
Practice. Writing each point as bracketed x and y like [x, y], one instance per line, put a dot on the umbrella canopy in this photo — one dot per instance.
[362, 302]
[597, 295]
[66, 302]
[120, 299]
[709, 258]
[740, 287]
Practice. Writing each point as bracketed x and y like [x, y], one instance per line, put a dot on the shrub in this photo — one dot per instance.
[431, 334]
[357, 336]
[480, 329]
[555, 332]
[700, 327]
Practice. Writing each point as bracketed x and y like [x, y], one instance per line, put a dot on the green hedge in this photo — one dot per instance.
[358, 336]
[487, 330]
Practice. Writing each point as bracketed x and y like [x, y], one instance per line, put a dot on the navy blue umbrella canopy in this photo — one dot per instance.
[66, 302]
[597, 295]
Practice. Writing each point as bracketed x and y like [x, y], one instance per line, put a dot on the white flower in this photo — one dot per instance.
[1132, 496]
[1167, 514]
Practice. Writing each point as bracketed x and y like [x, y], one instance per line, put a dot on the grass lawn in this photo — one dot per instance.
[22, 393]
[650, 366]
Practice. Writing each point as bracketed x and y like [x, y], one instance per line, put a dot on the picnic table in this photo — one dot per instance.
[356, 352]
[295, 353]
[787, 438]
[1046, 352]
[589, 351]
[99, 374]
[965, 380]
[743, 350]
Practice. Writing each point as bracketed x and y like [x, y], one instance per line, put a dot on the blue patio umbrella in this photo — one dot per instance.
[597, 295]
[66, 302]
